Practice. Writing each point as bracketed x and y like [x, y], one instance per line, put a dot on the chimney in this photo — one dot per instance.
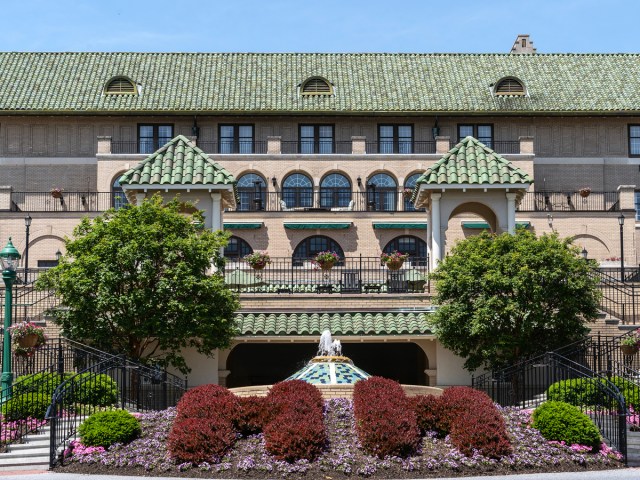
[523, 45]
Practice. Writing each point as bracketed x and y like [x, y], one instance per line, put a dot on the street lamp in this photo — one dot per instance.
[621, 223]
[27, 224]
[9, 257]
[584, 253]
[58, 255]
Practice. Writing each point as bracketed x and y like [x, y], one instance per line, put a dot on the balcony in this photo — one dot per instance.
[546, 201]
[66, 202]
[352, 275]
[355, 146]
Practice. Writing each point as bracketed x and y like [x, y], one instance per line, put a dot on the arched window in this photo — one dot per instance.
[509, 86]
[409, 184]
[316, 86]
[237, 248]
[335, 191]
[120, 86]
[310, 247]
[252, 191]
[382, 193]
[118, 198]
[297, 191]
[414, 246]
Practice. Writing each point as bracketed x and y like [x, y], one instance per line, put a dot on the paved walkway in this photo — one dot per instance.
[620, 474]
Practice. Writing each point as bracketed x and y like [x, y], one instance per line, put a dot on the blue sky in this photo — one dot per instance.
[600, 26]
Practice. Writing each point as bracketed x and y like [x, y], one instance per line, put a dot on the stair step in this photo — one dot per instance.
[33, 452]
[27, 463]
[16, 447]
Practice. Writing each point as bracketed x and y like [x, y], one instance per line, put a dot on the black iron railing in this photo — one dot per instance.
[350, 275]
[29, 304]
[569, 202]
[526, 385]
[401, 147]
[66, 201]
[233, 148]
[620, 299]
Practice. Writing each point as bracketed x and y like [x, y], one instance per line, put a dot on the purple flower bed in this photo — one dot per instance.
[10, 432]
[249, 458]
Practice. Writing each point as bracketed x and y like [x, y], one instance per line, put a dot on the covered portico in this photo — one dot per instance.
[469, 178]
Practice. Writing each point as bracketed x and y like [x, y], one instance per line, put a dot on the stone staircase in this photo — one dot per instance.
[633, 448]
[32, 454]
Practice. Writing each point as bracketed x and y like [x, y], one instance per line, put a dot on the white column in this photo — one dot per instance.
[429, 216]
[140, 196]
[511, 213]
[436, 246]
[216, 211]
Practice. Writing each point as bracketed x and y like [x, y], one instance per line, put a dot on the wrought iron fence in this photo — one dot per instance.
[620, 299]
[349, 275]
[66, 201]
[526, 385]
[401, 147]
[233, 148]
[546, 201]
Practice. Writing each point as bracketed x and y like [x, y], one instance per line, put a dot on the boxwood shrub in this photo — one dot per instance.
[563, 422]
[26, 405]
[586, 391]
[98, 390]
[103, 429]
[44, 382]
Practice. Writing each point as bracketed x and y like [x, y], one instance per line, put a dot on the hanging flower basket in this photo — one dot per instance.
[326, 260]
[326, 265]
[407, 193]
[628, 349]
[56, 192]
[27, 337]
[257, 260]
[28, 341]
[395, 264]
[585, 192]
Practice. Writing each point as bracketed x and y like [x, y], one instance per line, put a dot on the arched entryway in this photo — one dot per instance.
[268, 363]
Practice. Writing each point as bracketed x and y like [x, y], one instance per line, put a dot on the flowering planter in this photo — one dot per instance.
[28, 341]
[259, 265]
[585, 193]
[326, 265]
[628, 349]
[395, 264]
[56, 194]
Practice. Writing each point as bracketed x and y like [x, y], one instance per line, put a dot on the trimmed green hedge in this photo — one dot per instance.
[103, 429]
[585, 391]
[26, 405]
[563, 422]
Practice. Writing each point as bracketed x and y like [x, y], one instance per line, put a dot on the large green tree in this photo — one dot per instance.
[503, 298]
[134, 281]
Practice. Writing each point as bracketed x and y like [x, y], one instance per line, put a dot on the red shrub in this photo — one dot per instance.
[198, 440]
[483, 429]
[252, 416]
[428, 410]
[293, 437]
[295, 395]
[457, 400]
[207, 401]
[385, 422]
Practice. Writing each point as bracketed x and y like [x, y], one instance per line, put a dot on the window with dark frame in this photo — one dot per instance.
[395, 138]
[237, 248]
[335, 191]
[297, 191]
[152, 137]
[235, 139]
[252, 190]
[316, 139]
[481, 132]
[311, 246]
[634, 140]
[414, 246]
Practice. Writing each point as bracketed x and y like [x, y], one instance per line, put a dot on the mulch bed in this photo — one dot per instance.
[147, 456]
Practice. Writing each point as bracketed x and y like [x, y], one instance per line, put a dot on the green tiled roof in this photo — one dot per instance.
[470, 162]
[68, 83]
[368, 323]
[178, 162]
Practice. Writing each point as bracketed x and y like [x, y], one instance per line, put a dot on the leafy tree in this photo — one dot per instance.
[503, 298]
[134, 281]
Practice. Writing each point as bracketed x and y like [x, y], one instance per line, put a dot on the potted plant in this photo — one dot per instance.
[27, 337]
[630, 344]
[393, 260]
[407, 193]
[585, 191]
[56, 192]
[326, 260]
[257, 260]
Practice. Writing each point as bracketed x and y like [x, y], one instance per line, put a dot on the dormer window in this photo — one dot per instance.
[120, 86]
[316, 86]
[509, 86]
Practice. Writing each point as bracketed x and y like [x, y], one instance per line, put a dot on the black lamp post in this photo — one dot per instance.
[27, 224]
[9, 258]
[621, 223]
[58, 255]
[584, 253]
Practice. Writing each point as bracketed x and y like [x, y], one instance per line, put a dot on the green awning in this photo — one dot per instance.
[242, 226]
[485, 225]
[388, 226]
[316, 225]
[339, 323]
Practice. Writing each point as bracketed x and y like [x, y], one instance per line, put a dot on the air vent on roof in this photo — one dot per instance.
[121, 86]
[316, 86]
[509, 86]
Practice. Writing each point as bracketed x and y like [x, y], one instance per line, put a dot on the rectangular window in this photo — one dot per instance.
[634, 140]
[152, 137]
[637, 205]
[236, 139]
[47, 263]
[316, 139]
[395, 138]
[483, 133]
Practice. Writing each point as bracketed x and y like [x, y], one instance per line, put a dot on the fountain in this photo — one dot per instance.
[329, 366]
